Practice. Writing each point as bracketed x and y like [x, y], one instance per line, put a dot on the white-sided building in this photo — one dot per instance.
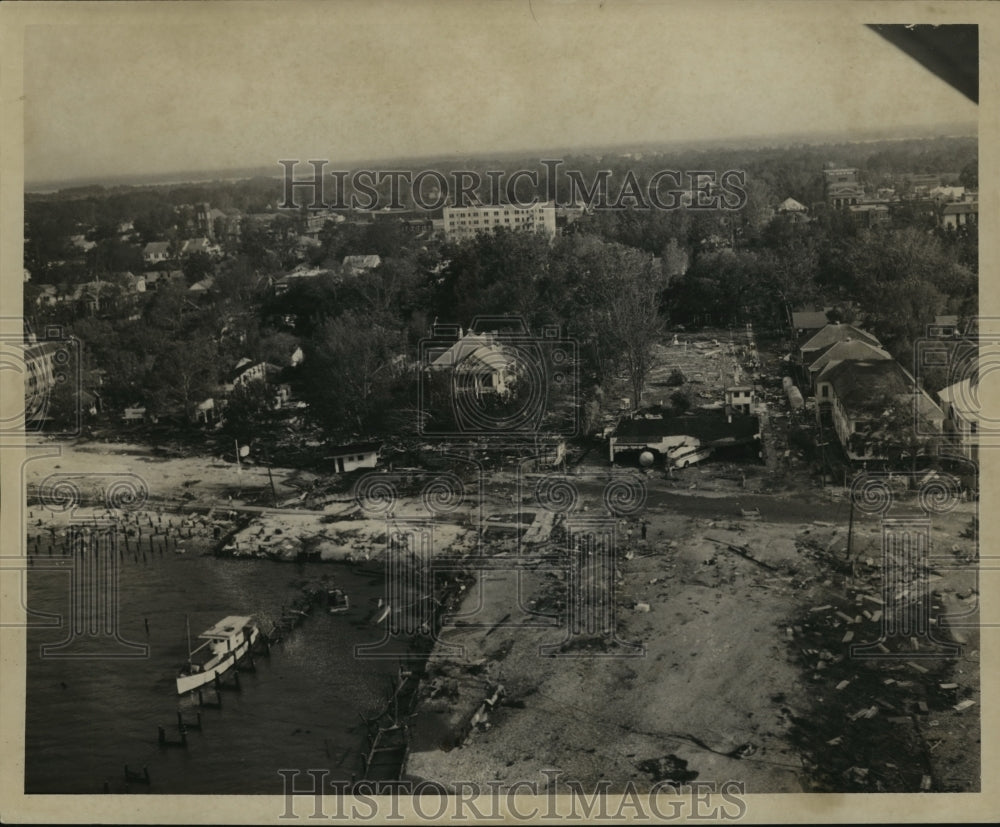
[357, 455]
[464, 222]
[961, 409]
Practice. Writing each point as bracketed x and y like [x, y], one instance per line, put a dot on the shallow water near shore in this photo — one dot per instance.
[88, 717]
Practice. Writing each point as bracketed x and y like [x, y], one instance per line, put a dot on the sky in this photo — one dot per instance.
[165, 88]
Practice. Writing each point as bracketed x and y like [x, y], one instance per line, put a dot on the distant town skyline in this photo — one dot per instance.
[168, 92]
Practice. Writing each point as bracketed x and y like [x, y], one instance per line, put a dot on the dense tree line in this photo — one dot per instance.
[612, 282]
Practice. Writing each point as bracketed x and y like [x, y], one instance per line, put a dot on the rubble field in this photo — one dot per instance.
[730, 659]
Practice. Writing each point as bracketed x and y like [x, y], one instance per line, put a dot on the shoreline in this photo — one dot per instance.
[567, 702]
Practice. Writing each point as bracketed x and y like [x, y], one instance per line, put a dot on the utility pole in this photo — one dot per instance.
[274, 496]
[850, 536]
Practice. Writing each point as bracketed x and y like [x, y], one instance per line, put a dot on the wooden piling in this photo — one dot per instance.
[164, 742]
[141, 777]
[183, 725]
[216, 704]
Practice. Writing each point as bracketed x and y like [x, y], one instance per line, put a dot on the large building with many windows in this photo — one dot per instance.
[464, 222]
[843, 189]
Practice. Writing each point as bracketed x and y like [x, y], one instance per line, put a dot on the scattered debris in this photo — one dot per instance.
[669, 768]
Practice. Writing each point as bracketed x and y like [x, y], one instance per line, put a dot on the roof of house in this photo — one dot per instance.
[92, 288]
[707, 427]
[951, 320]
[462, 349]
[196, 245]
[362, 262]
[269, 369]
[153, 276]
[864, 387]
[80, 241]
[809, 319]
[952, 192]
[203, 285]
[961, 208]
[837, 332]
[844, 188]
[791, 205]
[354, 448]
[156, 248]
[848, 350]
[490, 357]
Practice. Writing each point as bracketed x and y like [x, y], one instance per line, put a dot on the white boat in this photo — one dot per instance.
[225, 644]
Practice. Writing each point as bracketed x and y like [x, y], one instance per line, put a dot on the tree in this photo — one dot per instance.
[197, 266]
[183, 374]
[277, 347]
[497, 273]
[349, 372]
[612, 299]
[247, 411]
[637, 320]
[902, 279]
[969, 176]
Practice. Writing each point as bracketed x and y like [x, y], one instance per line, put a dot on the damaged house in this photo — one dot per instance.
[859, 395]
[480, 365]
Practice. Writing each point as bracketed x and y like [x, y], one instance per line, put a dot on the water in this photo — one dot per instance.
[86, 718]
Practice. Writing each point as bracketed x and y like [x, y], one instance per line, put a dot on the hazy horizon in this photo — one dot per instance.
[161, 91]
[750, 144]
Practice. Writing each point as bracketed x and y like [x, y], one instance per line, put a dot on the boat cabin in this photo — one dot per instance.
[226, 635]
